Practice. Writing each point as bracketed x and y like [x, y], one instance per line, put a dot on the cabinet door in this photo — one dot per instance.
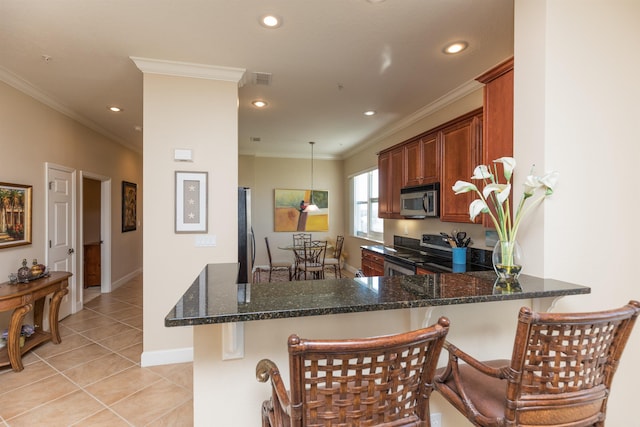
[422, 161]
[460, 155]
[384, 169]
[498, 118]
[372, 264]
[390, 179]
[396, 172]
[430, 152]
[413, 161]
[92, 273]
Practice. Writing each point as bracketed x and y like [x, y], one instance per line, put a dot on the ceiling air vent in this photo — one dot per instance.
[263, 79]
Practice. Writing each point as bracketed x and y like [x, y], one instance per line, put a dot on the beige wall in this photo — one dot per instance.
[32, 134]
[576, 111]
[265, 174]
[200, 115]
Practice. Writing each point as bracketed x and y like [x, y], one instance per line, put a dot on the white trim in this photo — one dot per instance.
[188, 69]
[121, 281]
[166, 357]
[105, 229]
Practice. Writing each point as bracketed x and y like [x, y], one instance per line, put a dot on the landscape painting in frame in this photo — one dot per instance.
[15, 215]
[289, 206]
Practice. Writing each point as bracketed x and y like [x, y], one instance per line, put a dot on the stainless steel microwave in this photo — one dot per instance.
[420, 202]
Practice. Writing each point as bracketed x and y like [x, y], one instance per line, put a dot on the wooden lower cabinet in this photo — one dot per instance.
[92, 269]
[372, 263]
[421, 270]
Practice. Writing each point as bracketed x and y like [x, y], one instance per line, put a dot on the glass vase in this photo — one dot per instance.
[507, 260]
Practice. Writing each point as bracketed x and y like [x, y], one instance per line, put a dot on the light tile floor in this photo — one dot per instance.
[94, 378]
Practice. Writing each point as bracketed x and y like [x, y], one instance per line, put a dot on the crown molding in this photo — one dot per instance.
[29, 89]
[440, 103]
[189, 69]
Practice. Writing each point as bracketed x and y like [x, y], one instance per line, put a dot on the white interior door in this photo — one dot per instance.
[60, 229]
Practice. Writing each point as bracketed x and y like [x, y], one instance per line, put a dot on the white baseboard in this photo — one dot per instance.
[166, 357]
[121, 281]
[349, 268]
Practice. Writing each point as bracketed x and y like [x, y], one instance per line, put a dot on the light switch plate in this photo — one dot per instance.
[204, 240]
[182, 155]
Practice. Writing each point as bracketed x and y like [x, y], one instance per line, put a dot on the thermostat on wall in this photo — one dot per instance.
[182, 155]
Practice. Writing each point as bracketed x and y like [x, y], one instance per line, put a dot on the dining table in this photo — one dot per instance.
[300, 248]
[298, 252]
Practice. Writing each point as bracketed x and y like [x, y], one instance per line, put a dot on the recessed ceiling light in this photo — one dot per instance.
[114, 108]
[270, 21]
[370, 113]
[456, 47]
[259, 103]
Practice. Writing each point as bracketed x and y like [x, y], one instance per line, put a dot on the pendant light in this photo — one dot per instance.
[311, 207]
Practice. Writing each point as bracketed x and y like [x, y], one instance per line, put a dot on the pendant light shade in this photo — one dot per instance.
[311, 207]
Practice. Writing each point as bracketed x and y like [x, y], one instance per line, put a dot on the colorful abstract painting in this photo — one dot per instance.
[289, 206]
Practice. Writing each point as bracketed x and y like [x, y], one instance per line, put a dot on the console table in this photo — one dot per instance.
[24, 297]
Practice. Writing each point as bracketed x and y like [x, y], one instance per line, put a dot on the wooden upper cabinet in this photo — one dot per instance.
[430, 158]
[461, 153]
[422, 160]
[383, 184]
[498, 117]
[390, 181]
[413, 163]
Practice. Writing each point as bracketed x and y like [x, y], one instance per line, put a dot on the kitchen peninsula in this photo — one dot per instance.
[253, 321]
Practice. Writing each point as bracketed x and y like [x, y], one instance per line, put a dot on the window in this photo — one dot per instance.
[365, 219]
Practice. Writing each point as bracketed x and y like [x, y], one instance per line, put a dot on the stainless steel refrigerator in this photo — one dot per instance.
[246, 240]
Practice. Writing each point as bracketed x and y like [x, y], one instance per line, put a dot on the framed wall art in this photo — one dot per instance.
[191, 202]
[129, 206]
[289, 212]
[15, 214]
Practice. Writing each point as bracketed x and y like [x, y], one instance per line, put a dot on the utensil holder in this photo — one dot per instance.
[459, 255]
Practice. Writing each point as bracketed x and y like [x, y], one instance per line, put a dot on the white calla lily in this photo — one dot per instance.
[549, 181]
[531, 184]
[482, 172]
[509, 164]
[497, 194]
[492, 188]
[476, 208]
[463, 187]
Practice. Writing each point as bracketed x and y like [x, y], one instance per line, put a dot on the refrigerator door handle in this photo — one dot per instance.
[253, 248]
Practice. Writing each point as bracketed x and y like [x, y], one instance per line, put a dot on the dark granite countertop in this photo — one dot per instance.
[215, 298]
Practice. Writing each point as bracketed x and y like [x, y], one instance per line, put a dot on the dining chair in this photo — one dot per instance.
[312, 261]
[334, 261]
[299, 239]
[559, 374]
[381, 381]
[273, 265]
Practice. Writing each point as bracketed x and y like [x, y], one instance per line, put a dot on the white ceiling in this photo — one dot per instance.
[330, 61]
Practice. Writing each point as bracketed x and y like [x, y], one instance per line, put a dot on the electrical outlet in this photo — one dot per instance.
[436, 420]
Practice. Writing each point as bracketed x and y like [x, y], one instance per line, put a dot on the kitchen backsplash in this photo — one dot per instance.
[415, 228]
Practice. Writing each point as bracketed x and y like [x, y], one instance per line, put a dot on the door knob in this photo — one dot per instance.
[70, 251]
